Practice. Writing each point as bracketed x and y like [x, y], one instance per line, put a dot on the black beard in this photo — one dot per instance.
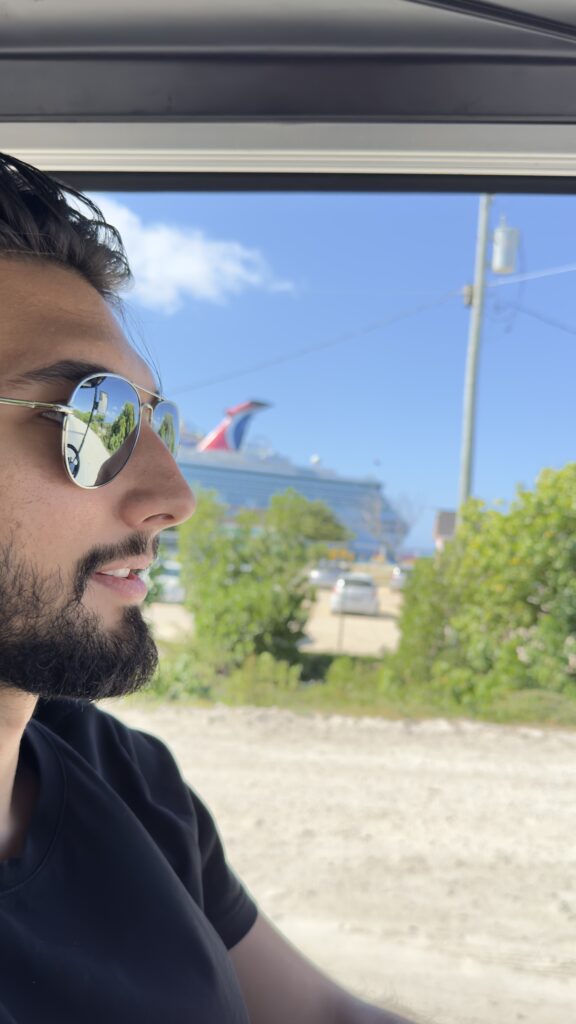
[67, 652]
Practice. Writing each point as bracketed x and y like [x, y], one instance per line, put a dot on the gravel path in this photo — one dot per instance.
[431, 865]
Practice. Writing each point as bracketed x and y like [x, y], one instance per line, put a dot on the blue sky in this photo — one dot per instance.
[225, 282]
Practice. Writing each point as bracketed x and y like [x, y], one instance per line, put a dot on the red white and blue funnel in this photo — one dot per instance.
[229, 434]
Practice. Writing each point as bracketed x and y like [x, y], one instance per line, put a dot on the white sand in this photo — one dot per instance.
[354, 634]
[427, 866]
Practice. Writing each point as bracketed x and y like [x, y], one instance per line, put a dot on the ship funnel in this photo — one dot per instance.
[229, 435]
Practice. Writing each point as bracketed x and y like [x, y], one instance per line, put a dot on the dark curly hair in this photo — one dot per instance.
[42, 217]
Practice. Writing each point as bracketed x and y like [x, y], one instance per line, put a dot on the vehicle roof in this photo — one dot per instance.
[357, 577]
[393, 26]
[186, 74]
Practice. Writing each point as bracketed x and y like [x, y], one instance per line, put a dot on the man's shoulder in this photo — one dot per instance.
[98, 736]
[143, 773]
[127, 759]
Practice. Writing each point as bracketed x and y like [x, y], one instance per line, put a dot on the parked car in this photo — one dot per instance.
[356, 594]
[325, 576]
[172, 591]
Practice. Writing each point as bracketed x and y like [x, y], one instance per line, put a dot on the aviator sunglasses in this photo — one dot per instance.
[101, 425]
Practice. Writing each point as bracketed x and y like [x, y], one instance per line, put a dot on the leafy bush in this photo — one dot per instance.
[353, 679]
[181, 674]
[291, 515]
[260, 681]
[353, 686]
[246, 582]
[534, 707]
[350, 684]
[495, 612]
[154, 587]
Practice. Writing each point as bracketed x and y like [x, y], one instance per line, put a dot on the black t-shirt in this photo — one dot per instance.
[121, 907]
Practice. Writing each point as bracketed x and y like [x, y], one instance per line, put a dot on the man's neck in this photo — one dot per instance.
[17, 788]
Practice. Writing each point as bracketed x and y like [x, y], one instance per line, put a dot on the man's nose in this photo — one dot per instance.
[157, 488]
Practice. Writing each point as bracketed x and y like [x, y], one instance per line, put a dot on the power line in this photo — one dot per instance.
[550, 321]
[341, 339]
[377, 325]
[566, 268]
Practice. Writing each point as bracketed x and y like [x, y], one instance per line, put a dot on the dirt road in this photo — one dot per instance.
[429, 866]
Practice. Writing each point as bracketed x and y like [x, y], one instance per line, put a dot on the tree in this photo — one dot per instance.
[154, 587]
[495, 612]
[245, 579]
[117, 432]
[309, 522]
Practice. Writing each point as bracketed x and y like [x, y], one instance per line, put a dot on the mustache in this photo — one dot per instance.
[133, 547]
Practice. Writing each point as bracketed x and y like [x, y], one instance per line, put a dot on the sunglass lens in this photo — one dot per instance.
[101, 432]
[165, 421]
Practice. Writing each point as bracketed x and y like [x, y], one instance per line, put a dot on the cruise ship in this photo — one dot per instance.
[248, 476]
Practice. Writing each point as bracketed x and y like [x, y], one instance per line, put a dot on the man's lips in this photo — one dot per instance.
[142, 563]
[131, 589]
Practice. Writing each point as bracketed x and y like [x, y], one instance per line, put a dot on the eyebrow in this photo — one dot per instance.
[73, 370]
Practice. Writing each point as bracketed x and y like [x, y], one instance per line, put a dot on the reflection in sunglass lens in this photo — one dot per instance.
[101, 432]
[165, 422]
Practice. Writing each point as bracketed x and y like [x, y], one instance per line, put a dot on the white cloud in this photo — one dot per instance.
[171, 263]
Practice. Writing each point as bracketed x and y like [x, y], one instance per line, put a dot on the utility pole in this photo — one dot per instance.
[474, 337]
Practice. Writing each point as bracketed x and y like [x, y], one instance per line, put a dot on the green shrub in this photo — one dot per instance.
[354, 680]
[314, 664]
[495, 613]
[533, 707]
[181, 674]
[260, 681]
[354, 686]
[245, 580]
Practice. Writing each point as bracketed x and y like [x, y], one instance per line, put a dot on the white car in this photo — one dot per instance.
[356, 594]
[325, 576]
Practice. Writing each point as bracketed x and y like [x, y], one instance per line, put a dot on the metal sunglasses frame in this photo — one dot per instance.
[67, 410]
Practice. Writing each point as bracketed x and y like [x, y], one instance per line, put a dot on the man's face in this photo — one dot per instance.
[64, 631]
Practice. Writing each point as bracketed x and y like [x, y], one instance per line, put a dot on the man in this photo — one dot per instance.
[116, 902]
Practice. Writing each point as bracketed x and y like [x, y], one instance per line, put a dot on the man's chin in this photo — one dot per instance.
[83, 659]
[94, 645]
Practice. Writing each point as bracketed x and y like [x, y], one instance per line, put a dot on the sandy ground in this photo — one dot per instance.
[354, 634]
[169, 621]
[345, 634]
[428, 866]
